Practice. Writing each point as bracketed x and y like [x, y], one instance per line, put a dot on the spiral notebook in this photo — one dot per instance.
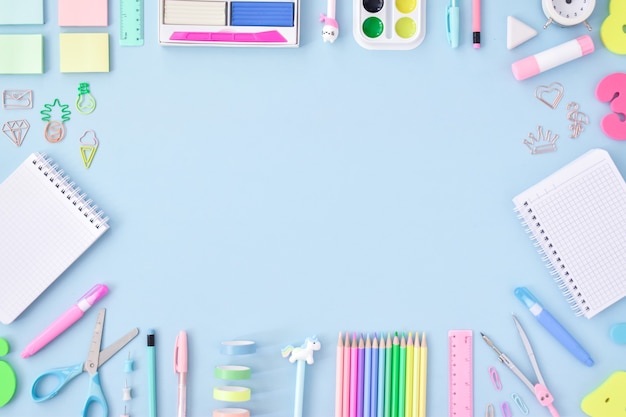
[577, 218]
[46, 223]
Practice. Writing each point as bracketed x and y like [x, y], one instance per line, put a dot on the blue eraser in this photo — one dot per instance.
[618, 333]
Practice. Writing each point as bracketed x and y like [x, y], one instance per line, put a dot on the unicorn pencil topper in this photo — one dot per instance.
[304, 352]
[330, 31]
[301, 354]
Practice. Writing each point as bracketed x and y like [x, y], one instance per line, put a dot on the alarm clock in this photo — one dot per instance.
[568, 12]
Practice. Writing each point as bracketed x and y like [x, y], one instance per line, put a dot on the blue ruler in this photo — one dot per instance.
[131, 22]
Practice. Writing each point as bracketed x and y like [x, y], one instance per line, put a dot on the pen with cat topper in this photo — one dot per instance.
[330, 31]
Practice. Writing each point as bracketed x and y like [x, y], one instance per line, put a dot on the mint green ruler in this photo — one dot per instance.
[131, 22]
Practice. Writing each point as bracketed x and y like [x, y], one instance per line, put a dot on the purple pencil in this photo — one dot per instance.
[360, 378]
[354, 355]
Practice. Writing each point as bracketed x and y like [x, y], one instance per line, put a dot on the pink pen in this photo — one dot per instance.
[68, 318]
[180, 367]
[476, 23]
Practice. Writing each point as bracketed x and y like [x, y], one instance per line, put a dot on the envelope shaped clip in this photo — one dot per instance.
[17, 99]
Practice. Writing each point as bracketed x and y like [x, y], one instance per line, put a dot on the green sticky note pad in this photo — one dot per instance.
[84, 52]
[21, 12]
[21, 54]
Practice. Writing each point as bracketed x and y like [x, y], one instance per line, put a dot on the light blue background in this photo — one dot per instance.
[274, 194]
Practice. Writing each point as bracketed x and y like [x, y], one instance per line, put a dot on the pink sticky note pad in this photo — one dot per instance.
[83, 12]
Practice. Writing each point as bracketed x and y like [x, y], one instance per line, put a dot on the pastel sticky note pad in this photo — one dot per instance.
[21, 12]
[84, 52]
[21, 54]
[83, 13]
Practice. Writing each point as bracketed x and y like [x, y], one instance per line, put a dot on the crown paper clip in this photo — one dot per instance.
[541, 143]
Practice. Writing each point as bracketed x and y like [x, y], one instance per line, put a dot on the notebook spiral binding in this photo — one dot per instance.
[69, 189]
[550, 256]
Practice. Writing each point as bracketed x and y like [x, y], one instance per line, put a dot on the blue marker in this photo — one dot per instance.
[551, 325]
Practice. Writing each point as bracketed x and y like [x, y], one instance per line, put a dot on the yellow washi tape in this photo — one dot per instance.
[232, 372]
[231, 393]
[231, 412]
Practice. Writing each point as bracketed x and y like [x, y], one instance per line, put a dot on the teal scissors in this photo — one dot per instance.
[95, 359]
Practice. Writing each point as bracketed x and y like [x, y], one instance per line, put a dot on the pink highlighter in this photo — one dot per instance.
[68, 318]
[553, 57]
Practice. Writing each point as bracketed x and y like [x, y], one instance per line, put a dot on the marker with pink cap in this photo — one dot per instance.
[553, 57]
[68, 318]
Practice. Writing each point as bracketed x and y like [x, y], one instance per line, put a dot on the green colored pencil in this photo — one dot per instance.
[388, 360]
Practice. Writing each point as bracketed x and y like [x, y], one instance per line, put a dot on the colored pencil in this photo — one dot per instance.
[423, 372]
[354, 360]
[374, 383]
[380, 401]
[395, 375]
[402, 378]
[360, 378]
[388, 360]
[416, 376]
[409, 377]
[339, 379]
[367, 377]
[345, 412]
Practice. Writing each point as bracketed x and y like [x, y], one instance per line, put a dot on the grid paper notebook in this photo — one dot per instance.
[577, 218]
[46, 223]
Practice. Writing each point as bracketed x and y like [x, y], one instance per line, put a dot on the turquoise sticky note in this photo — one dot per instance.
[21, 12]
[21, 54]
[84, 52]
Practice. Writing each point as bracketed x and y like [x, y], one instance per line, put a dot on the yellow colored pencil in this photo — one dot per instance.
[423, 372]
[416, 376]
[409, 377]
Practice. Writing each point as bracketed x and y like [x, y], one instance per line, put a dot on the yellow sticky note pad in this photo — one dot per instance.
[84, 52]
[21, 54]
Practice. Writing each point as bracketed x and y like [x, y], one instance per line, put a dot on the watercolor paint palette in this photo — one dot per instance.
[257, 23]
[389, 24]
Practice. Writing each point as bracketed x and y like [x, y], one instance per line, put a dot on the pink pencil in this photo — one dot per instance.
[339, 379]
[345, 412]
[354, 360]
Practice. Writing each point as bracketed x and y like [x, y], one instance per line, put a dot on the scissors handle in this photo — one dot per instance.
[95, 395]
[62, 377]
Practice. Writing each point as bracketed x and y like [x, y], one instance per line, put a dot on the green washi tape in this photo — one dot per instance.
[232, 372]
[231, 393]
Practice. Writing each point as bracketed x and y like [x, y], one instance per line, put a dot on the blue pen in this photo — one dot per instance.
[551, 325]
[152, 390]
[452, 24]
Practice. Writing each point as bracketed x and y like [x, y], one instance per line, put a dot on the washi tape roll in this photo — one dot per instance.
[231, 393]
[238, 347]
[231, 412]
[232, 372]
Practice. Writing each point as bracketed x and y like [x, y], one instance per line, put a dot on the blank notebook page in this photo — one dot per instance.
[578, 217]
[45, 225]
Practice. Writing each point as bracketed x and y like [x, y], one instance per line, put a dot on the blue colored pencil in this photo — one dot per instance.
[367, 377]
[374, 385]
[380, 401]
